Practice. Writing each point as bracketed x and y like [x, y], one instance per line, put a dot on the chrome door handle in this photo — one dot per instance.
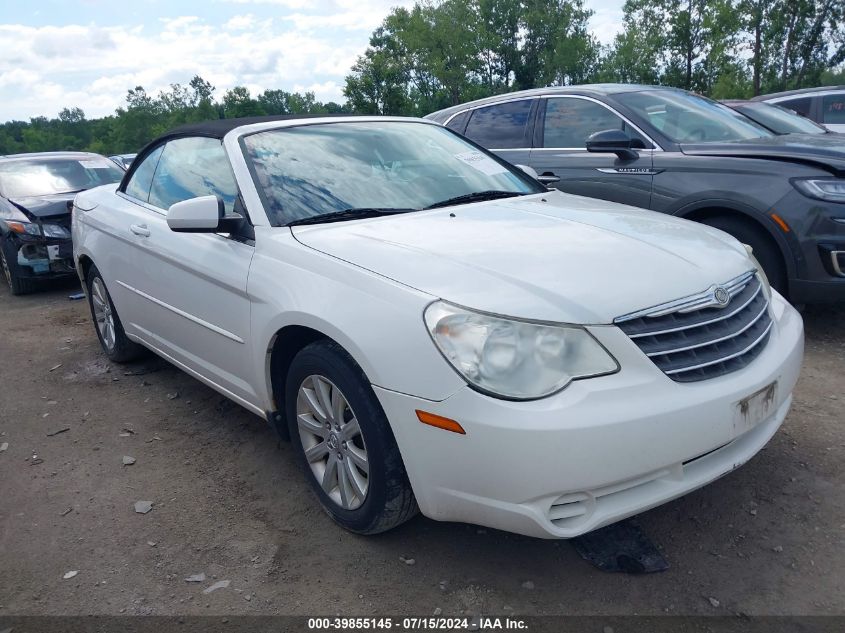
[140, 229]
[548, 178]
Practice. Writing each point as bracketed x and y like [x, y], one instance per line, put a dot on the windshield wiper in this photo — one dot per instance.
[477, 196]
[349, 214]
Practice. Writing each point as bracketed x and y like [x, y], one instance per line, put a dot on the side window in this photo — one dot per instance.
[801, 105]
[500, 126]
[833, 109]
[139, 184]
[192, 167]
[459, 122]
[569, 122]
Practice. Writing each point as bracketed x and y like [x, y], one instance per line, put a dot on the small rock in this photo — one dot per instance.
[443, 585]
[247, 597]
[4, 446]
[152, 543]
[408, 561]
[220, 584]
[173, 396]
[128, 461]
[438, 611]
[142, 507]
[66, 512]
[777, 548]
[528, 585]
[752, 512]
[70, 574]
[196, 578]
[713, 602]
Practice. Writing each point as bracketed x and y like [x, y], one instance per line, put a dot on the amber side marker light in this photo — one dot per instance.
[440, 422]
[780, 222]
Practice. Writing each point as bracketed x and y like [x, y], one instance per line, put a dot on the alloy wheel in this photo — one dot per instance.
[103, 313]
[332, 441]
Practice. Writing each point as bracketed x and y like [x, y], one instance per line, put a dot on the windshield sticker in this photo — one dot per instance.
[482, 163]
[95, 164]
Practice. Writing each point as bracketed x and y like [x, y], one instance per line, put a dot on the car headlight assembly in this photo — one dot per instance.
[23, 228]
[55, 230]
[514, 359]
[828, 189]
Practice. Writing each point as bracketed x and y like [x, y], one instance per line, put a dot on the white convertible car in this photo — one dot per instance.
[433, 328]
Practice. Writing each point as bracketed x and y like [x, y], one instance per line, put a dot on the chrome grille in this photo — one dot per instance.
[696, 338]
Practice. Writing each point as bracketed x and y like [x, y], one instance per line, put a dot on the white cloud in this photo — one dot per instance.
[304, 45]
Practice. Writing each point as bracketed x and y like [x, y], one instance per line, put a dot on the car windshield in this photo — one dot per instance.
[689, 118]
[312, 170]
[45, 176]
[780, 120]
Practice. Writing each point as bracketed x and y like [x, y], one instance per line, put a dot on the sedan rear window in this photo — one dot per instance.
[311, 170]
[42, 177]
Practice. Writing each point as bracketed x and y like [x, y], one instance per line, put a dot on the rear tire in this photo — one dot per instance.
[764, 248]
[113, 339]
[18, 285]
[353, 464]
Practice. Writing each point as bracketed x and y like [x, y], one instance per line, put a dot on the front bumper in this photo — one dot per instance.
[43, 258]
[601, 450]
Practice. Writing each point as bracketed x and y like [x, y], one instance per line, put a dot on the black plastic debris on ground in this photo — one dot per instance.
[622, 547]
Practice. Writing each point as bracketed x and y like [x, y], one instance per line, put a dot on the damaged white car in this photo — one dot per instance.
[436, 330]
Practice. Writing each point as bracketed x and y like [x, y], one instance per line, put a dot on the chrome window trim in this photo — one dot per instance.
[656, 148]
[487, 105]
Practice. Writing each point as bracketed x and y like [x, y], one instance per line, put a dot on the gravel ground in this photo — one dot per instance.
[229, 503]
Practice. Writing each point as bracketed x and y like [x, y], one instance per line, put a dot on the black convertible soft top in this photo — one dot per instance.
[218, 128]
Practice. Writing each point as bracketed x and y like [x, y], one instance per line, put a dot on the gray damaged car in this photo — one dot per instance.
[679, 153]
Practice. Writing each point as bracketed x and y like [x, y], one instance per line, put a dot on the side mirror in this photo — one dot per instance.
[528, 170]
[206, 214]
[612, 141]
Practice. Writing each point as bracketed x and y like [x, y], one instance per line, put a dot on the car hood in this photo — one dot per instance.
[552, 257]
[822, 150]
[44, 206]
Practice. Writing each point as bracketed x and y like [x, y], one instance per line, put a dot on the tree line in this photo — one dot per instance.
[444, 52]
[146, 116]
[438, 54]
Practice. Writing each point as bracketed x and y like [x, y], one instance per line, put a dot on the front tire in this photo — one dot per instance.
[113, 339]
[11, 271]
[343, 441]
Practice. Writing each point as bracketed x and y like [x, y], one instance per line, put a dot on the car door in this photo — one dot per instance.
[193, 285]
[505, 128]
[563, 125]
[117, 237]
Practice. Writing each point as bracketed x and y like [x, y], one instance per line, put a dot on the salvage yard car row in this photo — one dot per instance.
[425, 320]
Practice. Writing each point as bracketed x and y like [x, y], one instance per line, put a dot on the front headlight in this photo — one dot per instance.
[23, 228]
[829, 189]
[515, 359]
[55, 230]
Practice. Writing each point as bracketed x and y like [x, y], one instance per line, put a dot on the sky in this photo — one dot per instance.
[88, 53]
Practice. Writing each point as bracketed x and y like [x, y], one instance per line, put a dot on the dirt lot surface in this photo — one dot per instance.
[229, 503]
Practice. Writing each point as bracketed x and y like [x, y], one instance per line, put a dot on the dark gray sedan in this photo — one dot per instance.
[679, 153]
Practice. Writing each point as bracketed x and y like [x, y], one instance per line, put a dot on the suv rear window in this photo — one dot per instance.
[500, 126]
